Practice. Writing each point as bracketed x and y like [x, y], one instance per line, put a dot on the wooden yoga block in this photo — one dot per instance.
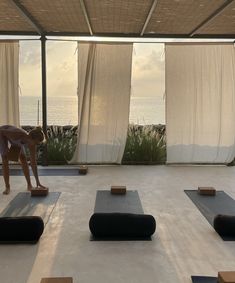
[13, 153]
[57, 280]
[118, 190]
[207, 191]
[226, 276]
[39, 192]
[82, 170]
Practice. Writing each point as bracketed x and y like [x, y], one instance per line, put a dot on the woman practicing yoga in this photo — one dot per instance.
[17, 139]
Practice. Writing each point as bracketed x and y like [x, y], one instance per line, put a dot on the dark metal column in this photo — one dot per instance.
[44, 97]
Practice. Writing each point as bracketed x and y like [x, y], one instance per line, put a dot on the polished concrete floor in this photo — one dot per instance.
[184, 243]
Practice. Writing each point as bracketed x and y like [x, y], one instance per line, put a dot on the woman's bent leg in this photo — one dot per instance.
[5, 168]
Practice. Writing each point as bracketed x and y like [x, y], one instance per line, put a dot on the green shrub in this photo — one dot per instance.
[61, 144]
[145, 144]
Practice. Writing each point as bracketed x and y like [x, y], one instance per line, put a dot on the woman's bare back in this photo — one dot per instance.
[13, 134]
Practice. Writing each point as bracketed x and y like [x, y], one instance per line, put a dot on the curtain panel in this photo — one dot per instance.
[104, 85]
[9, 81]
[200, 103]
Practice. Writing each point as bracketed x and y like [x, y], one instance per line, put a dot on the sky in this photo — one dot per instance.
[148, 68]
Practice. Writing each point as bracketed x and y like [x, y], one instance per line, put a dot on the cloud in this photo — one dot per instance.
[61, 68]
[150, 61]
[30, 53]
[148, 70]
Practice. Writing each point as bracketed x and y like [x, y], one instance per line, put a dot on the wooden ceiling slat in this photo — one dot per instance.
[180, 16]
[58, 15]
[212, 17]
[84, 10]
[11, 20]
[27, 16]
[148, 18]
[224, 23]
[122, 16]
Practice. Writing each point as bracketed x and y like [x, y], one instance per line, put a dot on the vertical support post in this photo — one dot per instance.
[44, 97]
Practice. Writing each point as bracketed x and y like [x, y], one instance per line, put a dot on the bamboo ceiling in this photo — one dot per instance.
[118, 18]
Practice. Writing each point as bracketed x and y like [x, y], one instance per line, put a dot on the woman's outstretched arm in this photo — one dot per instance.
[33, 162]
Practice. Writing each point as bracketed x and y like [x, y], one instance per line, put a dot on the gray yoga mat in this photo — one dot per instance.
[25, 205]
[127, 203]
[204, 279]
[108, 203]
[210, 206]
[46, 172]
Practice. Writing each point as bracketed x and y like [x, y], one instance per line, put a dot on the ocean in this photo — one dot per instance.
[62, 110]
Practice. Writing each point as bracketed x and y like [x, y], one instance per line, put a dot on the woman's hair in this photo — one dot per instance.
[37, 134]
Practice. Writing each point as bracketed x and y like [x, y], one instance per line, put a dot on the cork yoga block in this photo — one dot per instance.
[39, 192]
[57, 280]
[226, 276]
[118, 190]
[82, 170]
[207, 191]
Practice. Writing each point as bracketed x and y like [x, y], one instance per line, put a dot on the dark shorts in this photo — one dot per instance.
[7, 145]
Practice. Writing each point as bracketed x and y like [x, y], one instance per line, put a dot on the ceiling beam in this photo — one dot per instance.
[121, 35]
[154, 4]
[216, 13]
[16, 32]
[137, 35]
[27, 16]
[84, 10]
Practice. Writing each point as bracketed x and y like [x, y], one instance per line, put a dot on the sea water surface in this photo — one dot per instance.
[62, 110]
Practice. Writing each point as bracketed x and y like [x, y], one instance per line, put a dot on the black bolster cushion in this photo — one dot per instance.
[122, 225]
[225, 225]
[21, 229]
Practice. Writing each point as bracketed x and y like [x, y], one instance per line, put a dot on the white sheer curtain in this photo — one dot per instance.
[104, 84]
[9, 81]
[200, 103]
